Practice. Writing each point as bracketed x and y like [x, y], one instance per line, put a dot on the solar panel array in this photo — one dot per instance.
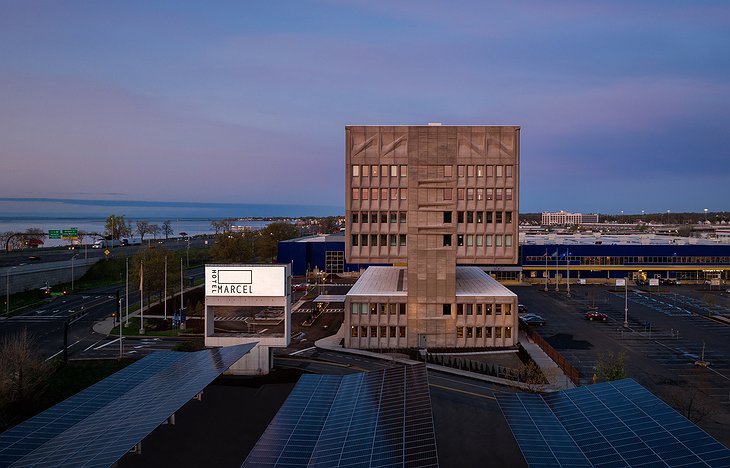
[99, 425]
[375, 419]
[612, 424]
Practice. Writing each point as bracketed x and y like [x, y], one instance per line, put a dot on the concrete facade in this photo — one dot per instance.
[430, 198]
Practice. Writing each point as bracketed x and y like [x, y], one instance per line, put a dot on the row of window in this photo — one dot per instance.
[486, 332]
[478, 240]
[375, 308]
[382, 217]
[381, 331]
[394, 170]
[383, 170]
[627, 260]
[496, 194]
[375, 240]
[479, 309]
[380, 194]
[479, 217]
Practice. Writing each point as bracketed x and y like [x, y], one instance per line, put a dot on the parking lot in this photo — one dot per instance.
[666, 333]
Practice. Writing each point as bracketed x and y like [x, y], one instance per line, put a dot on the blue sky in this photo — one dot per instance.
[623, 105]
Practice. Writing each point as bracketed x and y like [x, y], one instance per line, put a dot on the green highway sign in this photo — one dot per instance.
[54, 234]
[72, 233]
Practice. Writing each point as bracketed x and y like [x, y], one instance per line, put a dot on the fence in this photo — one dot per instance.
[558, 358]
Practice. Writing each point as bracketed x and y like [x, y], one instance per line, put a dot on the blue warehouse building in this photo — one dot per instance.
[325, 252]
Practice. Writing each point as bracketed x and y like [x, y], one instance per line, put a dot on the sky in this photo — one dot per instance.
[623, 105]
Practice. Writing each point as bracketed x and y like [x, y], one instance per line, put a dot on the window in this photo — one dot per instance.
[490, 194]
[487, 332]
[480, 171]
[355, 216]
[363, 331]
[470, 217]
[480, 217]
[403, 192]
[447, 217]
[487, 309]
[490, 217]
[507, 309]
[392, 331]
[508, 332]
[470, 171]
[354, 307]
[393, 240]
[480, 194]
[498, 217]
[355, 171]
[488, 240]
[479, 309]
[490, 171]
[447, 171]
[460, 332]
[365, 217]
[446, 309]
[479, 332]
[508, 171]
[353, 331]
[383, 240]
[497, 309]
[394, 194]
[374, 240]
[355, 238]
[460, 217]
[404, 171]
[460, 194]
[384, 217]
[382, 308]
[394, 171]
[498, 330]
[401, 309]
[402, 332]
[469, 240]
[508, 217]
[459, 309]
[383, 193]
[498, 240]
[498, 194]
[508, 194]
[365, 194]
[499, 171]
[480, 240]
[403, 217]
[447, 194]
[460, 171]
[355, 194]
[365, 170]
[470, 309]
[393, 217]
[460, 240]
[402, 239]
[469, 332]
[447, 240]
[373, 332]
[334, 261]
[373, 309]
[393, 309]
[374, 169]
[508, 240]
[383, 331]
[374, 193]
[364, 239]
[470, 194]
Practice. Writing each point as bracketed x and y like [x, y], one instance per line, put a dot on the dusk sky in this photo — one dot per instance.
[623, 105]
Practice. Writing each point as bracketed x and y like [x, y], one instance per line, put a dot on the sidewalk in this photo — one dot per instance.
[558, 380]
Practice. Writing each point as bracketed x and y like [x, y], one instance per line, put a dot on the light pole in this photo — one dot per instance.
[126, 294]
[72, 271]
[567, 271]
[626, 302]
[705, 215]
[622, 216]
[7, 291]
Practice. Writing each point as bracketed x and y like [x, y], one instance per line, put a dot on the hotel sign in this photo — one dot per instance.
[253, 280]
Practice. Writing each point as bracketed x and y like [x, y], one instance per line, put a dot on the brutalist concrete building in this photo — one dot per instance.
[435, 202]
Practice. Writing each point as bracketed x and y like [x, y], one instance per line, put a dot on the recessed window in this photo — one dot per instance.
[469, 240]
[479, 309]
[469, 216]
[354, 307]
[479, 240]
[490, 217]
[374, 193]
[498, 217]
[447, 171]
[508, 240]
[394, 194]
[403, 217]
[355, 237]
[480, 217]
[447, 240]
[365, 217]
[403, 192]
[490, 171]
[478, 330]
[353, 331]
[355, 171]
[394, 171]
[470, 194]
[446, 309]
[460, 240]
[459, 309]
[488, 240]
[374, 170]
[460, 332]
[498, 193]
[508, 194]
[460, 171]
[498, 332]
[383, 193]
[363, 331]
[364, 240]
[393, 240]
[447, 194]
[460, 193]
[365, 194]
[459, 217]
[469, 309]
[374, 240]
[490, 194]
[508, 332]
[355, 194]
[384, 217]
[497, 309]
[384, 171]
[480, 171]
[402, 239]
[365, 170]
[383, 331]
[373, 332]
[392, 331]
[508, 217]
[393, 217]
[498, 240]
[487, 309]
[470, 171]
[469, 332]
[402, 332]
[508, 171]
[383, 240]
[480, 194]
[404, 171]
[447, 217]
[487, 332]
[499, 171]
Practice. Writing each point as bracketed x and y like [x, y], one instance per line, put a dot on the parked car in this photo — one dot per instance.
[521, 308]
[595, 315]
[532, 319]
[300, 287]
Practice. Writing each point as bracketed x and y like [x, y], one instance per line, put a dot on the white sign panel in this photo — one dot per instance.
[621, 282]
[653, 281]
[254, 281]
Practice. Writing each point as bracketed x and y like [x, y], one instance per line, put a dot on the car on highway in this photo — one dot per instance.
[532, 319]
[595, 315]
[521, 308]
[34, 258]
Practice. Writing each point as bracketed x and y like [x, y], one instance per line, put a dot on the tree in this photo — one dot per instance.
[238, 247]
[153, 259]
[167, 229]
[270, 237]
[610, 366]
[22, 370]
[329, 224]
[155, 230]
[116, 227]
[143, 227]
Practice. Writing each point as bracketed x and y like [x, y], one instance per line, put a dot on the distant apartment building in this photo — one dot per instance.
[564, 217]
[430, 202]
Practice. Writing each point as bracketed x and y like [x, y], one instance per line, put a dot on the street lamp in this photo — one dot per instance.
[72, 271]
[7, 291]
[705, 215]
[626, 302]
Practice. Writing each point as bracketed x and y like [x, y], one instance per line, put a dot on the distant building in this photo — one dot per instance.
[434, 202]
[564, 217]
